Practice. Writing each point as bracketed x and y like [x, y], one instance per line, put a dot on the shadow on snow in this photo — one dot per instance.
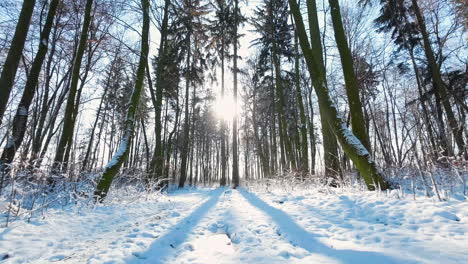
[308, 241]
[165, 245]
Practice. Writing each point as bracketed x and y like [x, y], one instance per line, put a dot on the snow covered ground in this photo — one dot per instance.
[241, 226]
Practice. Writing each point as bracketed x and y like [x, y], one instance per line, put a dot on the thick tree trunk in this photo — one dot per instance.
[330, 145]
[350, 144]
[352, 90]
[119, 157]
[7, 78]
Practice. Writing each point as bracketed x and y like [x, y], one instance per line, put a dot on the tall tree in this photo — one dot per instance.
[271, 22]
[15, 52]
[330, 144]
[439, 84]
[407, 23]
[120, 156]
[303, 165]
[21, 117]
[156, 166]
[69, 119]
[350, 144]
[192, 31]
[352, 88]
[235, 153]
[221, 39]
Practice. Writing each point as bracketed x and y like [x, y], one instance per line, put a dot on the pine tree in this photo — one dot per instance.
[271, 22]
[221, 39]
[191, 33]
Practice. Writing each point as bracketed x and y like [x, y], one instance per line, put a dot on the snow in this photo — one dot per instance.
[353, 140]
[245, 226]
[120, 151]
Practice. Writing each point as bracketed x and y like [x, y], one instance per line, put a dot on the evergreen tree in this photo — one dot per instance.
[275, 41]
[191, 34]
[220, 40]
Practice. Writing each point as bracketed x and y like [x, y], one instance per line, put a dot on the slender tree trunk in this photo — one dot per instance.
[235, 157]
[223, 122]
[157, 162]
[7, 78]
[439, 84]
[69, 124]
[21, 117]
[186, 129]
[304, 163]
[118, 159]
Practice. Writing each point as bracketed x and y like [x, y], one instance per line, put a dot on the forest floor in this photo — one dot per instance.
[239, 226]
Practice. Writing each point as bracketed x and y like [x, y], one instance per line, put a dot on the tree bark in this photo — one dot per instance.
[156, 166]
[119, 157]
[21, 117]
[330, 145]
[7, 78]
[235, 156]
[350, 144]
[69, 124]
[352, 90]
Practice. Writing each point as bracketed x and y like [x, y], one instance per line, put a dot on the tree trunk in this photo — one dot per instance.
[7, 78]
[304, 163]
[185, 143]
[21, 116]
[223, 123]
[235, 157]
[69, 124]
[350, 144]
[352, 90]
[439, 84]
[330, 145]
[119, 157]
[156, 166]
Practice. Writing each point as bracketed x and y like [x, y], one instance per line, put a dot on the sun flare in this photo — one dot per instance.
[225, 108]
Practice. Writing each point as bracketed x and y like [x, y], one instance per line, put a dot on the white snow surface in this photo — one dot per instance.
[239, 226]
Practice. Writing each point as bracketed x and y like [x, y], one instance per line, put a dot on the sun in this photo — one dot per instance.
[225, 108]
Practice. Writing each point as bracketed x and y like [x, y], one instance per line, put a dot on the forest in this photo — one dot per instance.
[204, 121]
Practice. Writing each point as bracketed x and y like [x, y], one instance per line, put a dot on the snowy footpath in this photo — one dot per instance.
[237, 226]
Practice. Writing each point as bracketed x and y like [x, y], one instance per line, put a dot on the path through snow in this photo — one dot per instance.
[237, 226]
